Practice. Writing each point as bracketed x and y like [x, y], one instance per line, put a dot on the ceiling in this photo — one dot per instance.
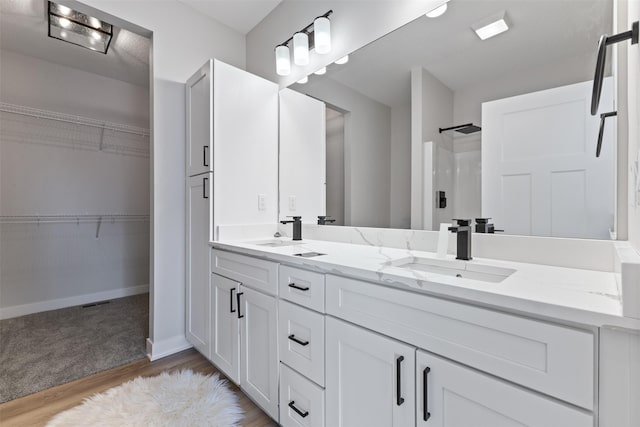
[241, 15]
[24, 29]
[542, 32]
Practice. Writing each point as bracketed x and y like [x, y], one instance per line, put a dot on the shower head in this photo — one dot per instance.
[466, 129]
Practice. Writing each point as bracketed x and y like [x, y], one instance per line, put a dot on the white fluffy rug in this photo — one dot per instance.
[170, 399]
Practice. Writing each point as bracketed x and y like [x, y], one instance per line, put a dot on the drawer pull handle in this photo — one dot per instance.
[204, 155]
[300, 288]
[240, 316]
[298, 411]
[293, 338]
[425, 401]
[233, 310]
[399, 398]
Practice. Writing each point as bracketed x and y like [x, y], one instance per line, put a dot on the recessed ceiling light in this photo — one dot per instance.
[491, 26]
[321, 71]
[303, 80]
[343, 60]
[437, 11]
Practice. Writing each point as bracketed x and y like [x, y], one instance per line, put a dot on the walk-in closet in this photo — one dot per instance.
[74, 197]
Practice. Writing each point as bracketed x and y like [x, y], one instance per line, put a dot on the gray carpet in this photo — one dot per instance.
[42, 350]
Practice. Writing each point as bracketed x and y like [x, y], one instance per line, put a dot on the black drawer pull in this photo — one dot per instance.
[300, 288]
[240, 316]
[204, 188]
[294, 339]
[233, 310]
[399, 398]
[204, 155]
[425, 401]
[298, 411]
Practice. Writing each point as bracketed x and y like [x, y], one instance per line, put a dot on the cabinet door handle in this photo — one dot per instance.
[204, 155]
[204, 188]
[238, 295]
[300, 288]
[231, 309]
[399, 398]
[293, 338]
[425, 400]
[298, 411]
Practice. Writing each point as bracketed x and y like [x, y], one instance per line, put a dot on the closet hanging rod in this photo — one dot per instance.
[50, 219]
[67, 118]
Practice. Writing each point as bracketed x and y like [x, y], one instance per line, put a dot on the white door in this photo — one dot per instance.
[362, 373]
[197, 262]
[457, 396]
[259, 349]
[225, 343]
[303, 147]
[540, 175]
[199, 94]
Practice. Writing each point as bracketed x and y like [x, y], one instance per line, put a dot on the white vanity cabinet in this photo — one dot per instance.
[370, 378]
[244, 325]
[456, 396]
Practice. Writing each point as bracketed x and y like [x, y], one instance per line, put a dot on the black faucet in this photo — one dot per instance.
[463, 229]
[484, 226]
[297, 226]
[323, 220]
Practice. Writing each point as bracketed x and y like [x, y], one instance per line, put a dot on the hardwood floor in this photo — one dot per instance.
[36, 409]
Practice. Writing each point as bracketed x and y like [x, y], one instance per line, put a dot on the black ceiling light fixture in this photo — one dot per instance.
[77, 28]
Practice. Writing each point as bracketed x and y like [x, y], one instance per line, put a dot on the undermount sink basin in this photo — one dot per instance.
[277, 243]
[457, 268]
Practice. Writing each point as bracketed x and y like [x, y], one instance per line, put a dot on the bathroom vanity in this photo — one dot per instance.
[377, 336]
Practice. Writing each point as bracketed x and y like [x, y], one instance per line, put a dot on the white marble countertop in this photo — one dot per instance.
[569, 295]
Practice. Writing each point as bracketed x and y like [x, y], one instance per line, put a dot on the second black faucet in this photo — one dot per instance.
[297, 226]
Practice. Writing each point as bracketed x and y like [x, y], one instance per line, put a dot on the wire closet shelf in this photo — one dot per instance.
[22, 124]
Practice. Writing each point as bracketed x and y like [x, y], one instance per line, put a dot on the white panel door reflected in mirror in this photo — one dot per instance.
[397, 92]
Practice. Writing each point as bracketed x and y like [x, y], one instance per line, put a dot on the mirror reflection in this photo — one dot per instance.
[431, 122]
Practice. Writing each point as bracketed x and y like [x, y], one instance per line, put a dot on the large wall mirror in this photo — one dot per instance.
[431, 123]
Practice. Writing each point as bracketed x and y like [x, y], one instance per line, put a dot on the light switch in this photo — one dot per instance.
[262, 201]
[292, 203]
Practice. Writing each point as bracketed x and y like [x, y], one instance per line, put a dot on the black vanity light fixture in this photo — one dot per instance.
[77, 28]
[316, 35]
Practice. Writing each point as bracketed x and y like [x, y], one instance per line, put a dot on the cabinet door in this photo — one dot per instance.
[259, 349]
[457, 396]
[199, 96]
[197, 264]
[370, 379]
[225, 344]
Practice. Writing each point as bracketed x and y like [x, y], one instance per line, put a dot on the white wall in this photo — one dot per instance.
[367, 145]
[633, 71]
[182, 41]
[352, 26]
[400, 187]
[48, 266]
[432, 108]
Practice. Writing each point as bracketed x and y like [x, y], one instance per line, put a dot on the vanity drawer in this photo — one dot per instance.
[302, 287]
[255, 273]
[301, 340]
[555, 360]
[306, 397]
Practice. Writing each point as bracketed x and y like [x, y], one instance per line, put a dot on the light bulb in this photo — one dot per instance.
[96, 35]
[63, 34]
[321, 71]
[322, 35]
[64, 10]
[303, 80]
[64, 22]
[437, 11]
[301, 49]
[283, 63]
[94, 22]
[343, 60]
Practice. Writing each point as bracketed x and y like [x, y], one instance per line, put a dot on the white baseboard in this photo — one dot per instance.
[163, 348]
[36, 307]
